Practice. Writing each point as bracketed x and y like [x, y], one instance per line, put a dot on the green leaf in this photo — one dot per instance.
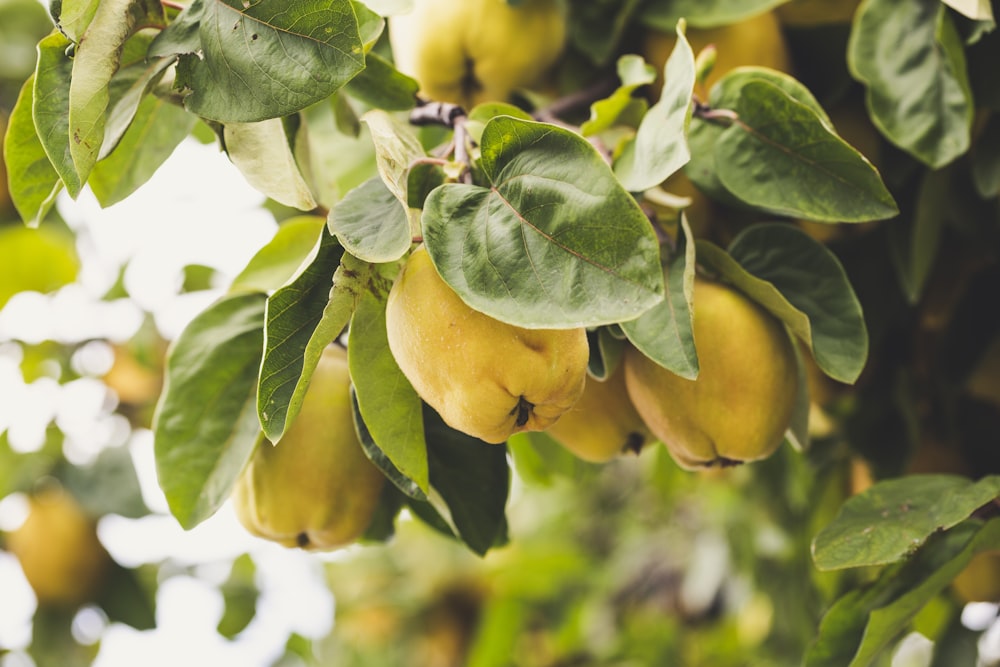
[127, 598]
[382, 86]
[986, 160]
[239, 594]
[597, 28]
[633, 73]
[262, 154]
[894, 517]
[702, 13]
[660, 145]
[473, 479]
[813, 281]
[371, 223]
[410, 490]
[664, 332]
[303, 317]
[914, 241]
[549, 243]
[861, 625]
[39, 260]
[50, 108]
[781, 158]
[109, 485]
[155, 131]
[911, 60]
[98, 55]
[336, 162]
[246, 62]
[205, 426]
[274, 264]
[389, 406]
[396, 148]
[73, 16]
[129, 88]
[31, 178]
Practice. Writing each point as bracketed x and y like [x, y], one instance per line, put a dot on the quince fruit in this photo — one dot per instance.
[980, 580]
[473, 51]
[486, 378]
[316, 489]
[741, 404]
[757, 41]
[603, 423]
[59, 551]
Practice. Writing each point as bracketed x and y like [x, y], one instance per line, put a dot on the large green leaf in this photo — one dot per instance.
[382, 86]
[660, 146]
[279, 260]
[812, 279]
[32, 180]
[262, 154]
[663, 14]
[205, 426]
[664, 332]
[97, 58]
[73, 16]
[911, 60]
[780, 157]
[865, 622]
[554, 243]
[472, 478]
[389, 406]
[892, 518]
[50, 108]
[245, 62]
[371, 223]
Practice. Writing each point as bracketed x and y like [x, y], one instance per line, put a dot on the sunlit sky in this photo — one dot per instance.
[197, 209]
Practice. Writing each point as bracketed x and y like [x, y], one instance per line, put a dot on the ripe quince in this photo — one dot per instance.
[473, 51]
[741, 404]
[315, 489]
[59, 551]
[486, 378]
[980, 580]
[603, 424]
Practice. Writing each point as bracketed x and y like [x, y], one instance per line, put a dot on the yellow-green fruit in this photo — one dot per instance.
[57, 545]
[486, 378]
[473, 51]
[740, 406]
[980, 580]
[603, 423]
[809, 13]
[754, 41]
[315, 489]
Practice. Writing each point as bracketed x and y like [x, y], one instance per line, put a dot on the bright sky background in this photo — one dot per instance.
[197, 209]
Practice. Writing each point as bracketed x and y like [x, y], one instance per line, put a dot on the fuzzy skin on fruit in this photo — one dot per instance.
[603, 424]
[57, 546]
[315, 489]
[484, 377]
[473, 51]
[741, 404]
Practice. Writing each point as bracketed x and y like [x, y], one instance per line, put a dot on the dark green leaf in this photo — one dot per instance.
[894, 517]
[274, 264]
[702, 13]
[986, 159]
[381, 86]
[664, 332]
[50, 108]
[660, 145]
[911, 60]
[914, 241]
[205, 426]
[129, 597]
[262, 60]
[472, 478]
[32, 180]
[109, 485]
[780, 157]
[371, 223]
[812, 279]
[549, 243]
[389, 406]
[597, 28]
[401, 482]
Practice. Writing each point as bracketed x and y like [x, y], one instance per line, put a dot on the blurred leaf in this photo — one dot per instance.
[861, 625]
[389, 406]
[205, 427]
[702, 13]
[660, 145]
[664, 333]
[129, 596]
[597, 28]
[19, 472]
[197, 277]
[540, 460]
[337, 162]
[381, 86]
[986, 159]
[52, 641]
[894, 517]
[239, 594]
[371, 223]
[472, 478]
[911, 60]
[40, 260]
[50, 108]
[275, 263]
[801, 283]
[251, 62]
[383, 523]
[109, 485]
[33, 181]
[633, 73]
[571, 216]
[262, 154]
[914, 241]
